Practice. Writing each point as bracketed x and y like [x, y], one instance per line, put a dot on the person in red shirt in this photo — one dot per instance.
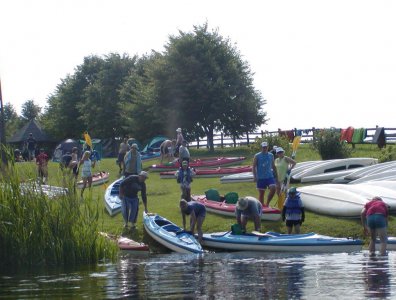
[42, 166]
[374, 218]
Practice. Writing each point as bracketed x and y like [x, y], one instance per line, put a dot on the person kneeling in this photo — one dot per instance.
[248, 208]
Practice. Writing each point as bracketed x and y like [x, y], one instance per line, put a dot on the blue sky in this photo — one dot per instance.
[317, 63]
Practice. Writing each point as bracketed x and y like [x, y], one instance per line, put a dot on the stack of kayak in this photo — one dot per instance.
[211, 172]
[198, 163]
[112, 199]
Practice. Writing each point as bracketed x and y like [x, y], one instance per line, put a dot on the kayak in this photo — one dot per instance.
[112, 199]
[198, 163]
[212, 172]
[170, 235]
[228, 209]
[97, 179]
[276, 242]
[128, 244]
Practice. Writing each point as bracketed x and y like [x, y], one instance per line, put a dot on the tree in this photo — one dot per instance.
[30, 111]
[205, 86]
[11, 120]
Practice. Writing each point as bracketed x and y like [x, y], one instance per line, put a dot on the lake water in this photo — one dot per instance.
[238, 275]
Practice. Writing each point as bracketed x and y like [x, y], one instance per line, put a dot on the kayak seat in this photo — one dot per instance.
[171, 228]
[161, 222]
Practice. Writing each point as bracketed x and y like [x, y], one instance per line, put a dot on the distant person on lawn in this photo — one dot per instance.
[129, 189]
[248, 208]
[42, 166]
[264, 170]
[124, 147]
[179, 140]
[374, 219]
[31, 146]
[85, 165]
[184, 154]
[197, 213]
[167, 149]
[184, 177]
[293, 211]
[132, 161]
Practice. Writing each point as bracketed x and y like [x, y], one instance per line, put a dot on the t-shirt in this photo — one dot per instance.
[264, 165]
[31, 143]
[376, 207]
[66, 159]
[198, 208]
[131, 186]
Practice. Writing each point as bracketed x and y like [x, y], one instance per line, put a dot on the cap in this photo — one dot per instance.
[264, 144]
[279, 149]
[178, 130]
[242, 204]
[292, 190]
[134, 146]
[144, 174]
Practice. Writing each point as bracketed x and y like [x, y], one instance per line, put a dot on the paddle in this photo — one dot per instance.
[296, 143]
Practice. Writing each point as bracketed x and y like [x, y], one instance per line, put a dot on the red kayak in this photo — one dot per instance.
[198, 163]
[97, 179]
[227, 209]
[128, 244]
[213, 172]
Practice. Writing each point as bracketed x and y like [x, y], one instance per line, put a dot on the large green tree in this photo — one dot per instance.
[30, 111]
[205, 86]
[11, 120]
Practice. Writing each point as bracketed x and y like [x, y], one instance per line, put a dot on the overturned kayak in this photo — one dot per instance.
[228, 209]
[212, 172]
[276, 242]
[128, 244]
[198, 163]
[97, 179]
[170, 235]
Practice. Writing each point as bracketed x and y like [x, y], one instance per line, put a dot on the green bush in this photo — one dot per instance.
[273, 140]
[327, 143]
[387, 154]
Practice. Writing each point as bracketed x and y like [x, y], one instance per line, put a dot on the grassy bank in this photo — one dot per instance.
[164, 196]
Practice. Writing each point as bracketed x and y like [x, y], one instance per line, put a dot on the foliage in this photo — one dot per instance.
[11, 120]
[273, 140]
[30, 111]
[327, 143]
[387, 154]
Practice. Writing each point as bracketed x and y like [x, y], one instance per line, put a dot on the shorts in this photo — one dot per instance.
[262, 184]
[164, 150]
[376, 221]
[291, 223]
[120, 157]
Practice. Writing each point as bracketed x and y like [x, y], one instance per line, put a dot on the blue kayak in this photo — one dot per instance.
[112, 199]
[276, 242]
[170, 235]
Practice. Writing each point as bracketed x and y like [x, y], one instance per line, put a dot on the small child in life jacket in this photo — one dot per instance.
[293, 211]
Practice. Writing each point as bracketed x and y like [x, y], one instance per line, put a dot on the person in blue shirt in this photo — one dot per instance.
[184, 177]
[197, 213]
[293, 211]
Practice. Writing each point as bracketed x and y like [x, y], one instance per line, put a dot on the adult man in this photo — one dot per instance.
[184, 154]
[167, 149]
[264, 173]
[31, 146]
[124, 147]
[129, 189]
[248, 208]
[179, 140]
[132, 161]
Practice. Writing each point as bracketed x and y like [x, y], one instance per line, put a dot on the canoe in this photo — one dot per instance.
[128, 244]
[97, 179]
[276, 242]
[227, 209]
[389, 174]
[112, 199]
[170, 235]
[212, 172]
[329, 176]
[369, 170]
[198, 163]
[334, 165]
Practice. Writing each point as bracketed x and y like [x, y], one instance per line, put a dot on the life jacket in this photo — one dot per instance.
[293, 206]
[180, 176]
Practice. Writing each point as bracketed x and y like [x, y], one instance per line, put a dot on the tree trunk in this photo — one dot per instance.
[209, 135]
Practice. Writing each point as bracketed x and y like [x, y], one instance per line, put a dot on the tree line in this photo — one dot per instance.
[200, 83]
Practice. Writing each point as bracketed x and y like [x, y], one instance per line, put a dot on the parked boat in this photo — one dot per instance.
[276, 242]
[369, 170]
[198, 163]
[391, 245]
[112, 199]
[212, 172]
[326, 176]
[170, 235]
[228, 209]
[97, 179]
[389, 174]
[128, 244]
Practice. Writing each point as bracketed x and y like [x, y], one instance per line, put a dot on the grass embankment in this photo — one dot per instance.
[164, 196]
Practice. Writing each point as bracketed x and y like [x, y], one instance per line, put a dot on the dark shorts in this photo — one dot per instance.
[291, 223]
[376, 221]
[121, 157]
[262, 184]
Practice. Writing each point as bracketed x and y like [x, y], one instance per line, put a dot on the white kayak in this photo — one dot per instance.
[385, 175]
[369, 170]
[112, 199]
[326, 176]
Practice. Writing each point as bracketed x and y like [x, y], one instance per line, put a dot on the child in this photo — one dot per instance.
[42, 166]
[293, 211]
[86, 173]
[197, 213]
[184, 177]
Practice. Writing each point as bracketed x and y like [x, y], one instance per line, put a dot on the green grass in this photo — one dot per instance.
[164, 195]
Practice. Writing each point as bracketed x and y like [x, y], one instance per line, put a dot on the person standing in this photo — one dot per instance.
[184, 178]
[197, 213]
[248, 208]
[42, 166]
[129, 188]
[284, 165]
[374, 217]
[184, 154]
[293, 211]
[124, 147]
[31, 146]
[264, 173]
[132, 161]
[179, 140]
[86, 171]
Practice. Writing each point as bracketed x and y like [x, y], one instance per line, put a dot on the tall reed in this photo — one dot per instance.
[41, 229]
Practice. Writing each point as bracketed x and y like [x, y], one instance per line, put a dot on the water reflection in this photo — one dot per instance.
[377, 277]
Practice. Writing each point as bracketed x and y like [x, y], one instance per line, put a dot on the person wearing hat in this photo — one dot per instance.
[284, 165]
[179, 140]
[124, 147]
[167, 149]
[132, 161]
[129, 189]
[184, 176]
[248, 208]
[42, 166]
[184, 154]
[374, 217]
[293, 211]
[264, 173]
[197, 213]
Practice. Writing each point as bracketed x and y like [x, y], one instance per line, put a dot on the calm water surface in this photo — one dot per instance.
[240, 275]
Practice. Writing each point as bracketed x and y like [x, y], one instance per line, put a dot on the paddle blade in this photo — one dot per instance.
[296, 143]
[281, 200]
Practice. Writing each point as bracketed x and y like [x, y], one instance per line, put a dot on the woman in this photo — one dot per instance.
[197, 213]
[284, 165]
[374, 218]
[86, 173]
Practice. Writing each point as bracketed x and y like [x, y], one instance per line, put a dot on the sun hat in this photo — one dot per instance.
[293, 190]
[264, 144]
[279, 149]
[144, 174]
[242, 204]
[178, 130]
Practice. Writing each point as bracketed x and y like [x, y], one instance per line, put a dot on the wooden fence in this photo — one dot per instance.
[371, 135]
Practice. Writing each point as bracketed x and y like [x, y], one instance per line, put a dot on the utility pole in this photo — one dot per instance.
[2, 130]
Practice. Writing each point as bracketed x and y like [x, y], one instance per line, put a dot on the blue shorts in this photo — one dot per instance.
[262, 184]
[376, 221]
